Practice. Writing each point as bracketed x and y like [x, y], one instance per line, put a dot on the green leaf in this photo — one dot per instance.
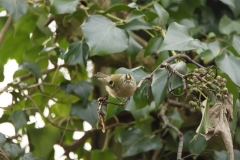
[230, 65]
[136, 24]
[176, 81]
[1, 72]
[63, 6]
[227, 26]
[12, 150]
[16, 8]
[221, 155]
[135, 14]
[40, 144]
[236, 42]
[60, 109]
[19, 119]
[159, 85]
[162, 13]
[3, 139]
[82, 89]
[86, 111]
[77, 53]
[29, 156]
[112, 109]
[205, 123]
[134, 141]
[178, 38]
[230, 3]
[103, 37]
[133, 47]
[118, 8]
[32, 67]
[153, 45]
[195, 147]
[106, 154]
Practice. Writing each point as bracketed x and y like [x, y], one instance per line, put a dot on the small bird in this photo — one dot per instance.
[118, 85]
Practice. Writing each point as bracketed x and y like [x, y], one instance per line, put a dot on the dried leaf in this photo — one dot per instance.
[219, 116]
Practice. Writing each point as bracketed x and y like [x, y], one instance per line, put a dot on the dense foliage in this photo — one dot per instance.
[184, 55]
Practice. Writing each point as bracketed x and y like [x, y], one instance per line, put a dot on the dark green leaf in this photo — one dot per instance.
[118, 8]
[77, 53]
[40, 144]
[86, 111]
[227, 26]
[2, 139]
[152, 17]
[159, 85]
[230, 65]
[135, 14]
[221, 155]
[63, 6]
[103, 37]
[162, 13]
[175, 118]
[236, 42]
[12, 150]
[29, 156]
[178, 38]
[153, 45]
[16, 8]
[176, 81]
[134, 141]
[195, 147]
[112, 109]
[136, 24]
[19, 119]
[82, 89]
[106, 154]
[133, 47]
[32, 67]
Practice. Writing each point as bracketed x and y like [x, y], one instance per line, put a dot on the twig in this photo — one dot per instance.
[4, 29]
[175, 129]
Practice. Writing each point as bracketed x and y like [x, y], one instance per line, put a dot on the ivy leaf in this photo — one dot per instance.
[153, 45]
[19, 119]
[133, 48]
[230, 65]
[3, 139]
[135, 14]
[136, 24]
[236, 42]
[40, 144]
[162, 14]
[32, 67]
[175, 80]
[29, 156]
[77, 53]
[118, 8]
[12, 150]
[134, 141]
[178, 38]
[63, 6]
[16, 8]
[82, 89]
[227, 26]
[103, 37]
[159, 85]
[86, 111]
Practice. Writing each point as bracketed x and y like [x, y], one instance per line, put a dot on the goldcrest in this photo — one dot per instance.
[118, 85]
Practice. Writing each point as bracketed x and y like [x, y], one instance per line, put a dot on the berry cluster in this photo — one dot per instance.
[205, 84]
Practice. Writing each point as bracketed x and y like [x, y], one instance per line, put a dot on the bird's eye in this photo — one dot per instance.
[111, 83]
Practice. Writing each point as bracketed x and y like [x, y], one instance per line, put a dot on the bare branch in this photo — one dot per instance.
[175, 129]
[5, 28]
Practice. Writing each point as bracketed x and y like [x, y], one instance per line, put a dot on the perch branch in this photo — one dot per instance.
[175, 129]
[5, 28]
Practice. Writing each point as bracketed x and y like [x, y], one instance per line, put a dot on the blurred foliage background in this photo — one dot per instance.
[58, 46]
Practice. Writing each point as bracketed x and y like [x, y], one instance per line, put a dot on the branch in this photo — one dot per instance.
[175, 129]
[4, 29]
